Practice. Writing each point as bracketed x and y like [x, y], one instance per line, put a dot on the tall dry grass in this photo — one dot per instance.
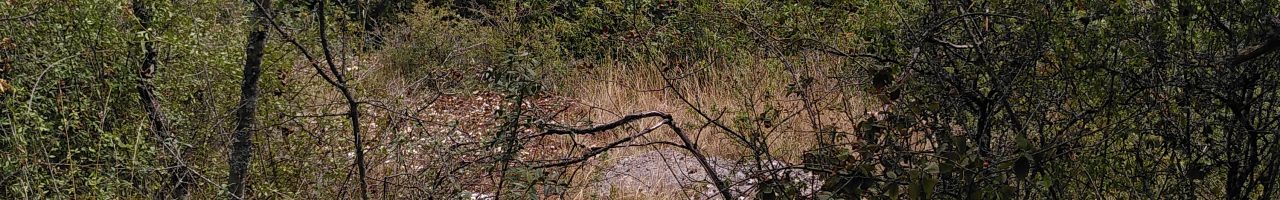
[735, 90]
[724, 89]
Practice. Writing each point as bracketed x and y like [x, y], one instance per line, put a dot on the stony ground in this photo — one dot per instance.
[669, 173]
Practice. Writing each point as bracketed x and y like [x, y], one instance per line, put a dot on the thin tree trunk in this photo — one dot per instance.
[369, 21]
[180, 175]
[353, 107]
[242, 144]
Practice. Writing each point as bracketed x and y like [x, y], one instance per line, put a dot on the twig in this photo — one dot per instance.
[28, 15]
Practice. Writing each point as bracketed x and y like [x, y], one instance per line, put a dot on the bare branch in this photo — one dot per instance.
[666, 120]
[28, 15]
[1271, 45]
[604, 127]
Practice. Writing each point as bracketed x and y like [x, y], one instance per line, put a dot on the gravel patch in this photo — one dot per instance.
[667, 173]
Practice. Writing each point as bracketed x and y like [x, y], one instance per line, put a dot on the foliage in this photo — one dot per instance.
[1098, 100]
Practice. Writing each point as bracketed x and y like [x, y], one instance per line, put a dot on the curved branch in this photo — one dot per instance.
[604, 127]
[1271, 45]
[952, 19]
[878, 58]
[28, 15]
[598, 150]
[666, 120]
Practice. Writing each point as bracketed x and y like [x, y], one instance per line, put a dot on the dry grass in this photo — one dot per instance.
[721, 89]
[604, 93]
[727, 88]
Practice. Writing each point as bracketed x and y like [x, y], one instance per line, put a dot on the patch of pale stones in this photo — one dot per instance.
[670, 173]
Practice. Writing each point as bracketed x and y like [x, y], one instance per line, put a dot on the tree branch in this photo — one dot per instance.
[666, 120]
[1272, 44]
